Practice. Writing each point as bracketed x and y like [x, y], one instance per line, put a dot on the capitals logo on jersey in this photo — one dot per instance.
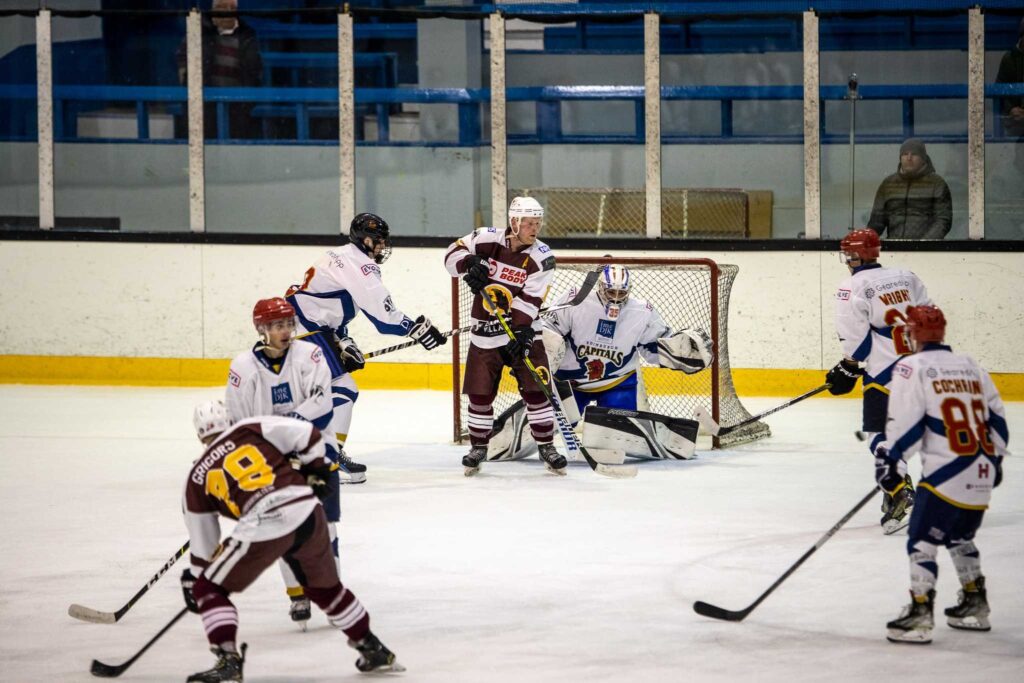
[282, 393]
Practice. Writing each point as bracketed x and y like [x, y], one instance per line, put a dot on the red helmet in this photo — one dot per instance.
[926, 324]
[268, 310]
[863, 243]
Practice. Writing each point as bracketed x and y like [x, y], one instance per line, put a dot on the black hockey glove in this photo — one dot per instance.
[887, 472]
[843, 377]
[477, 273]
[426, 334]
[318, 481]
[999, 471]
[519, 347]
[351, 356]
[187, 581]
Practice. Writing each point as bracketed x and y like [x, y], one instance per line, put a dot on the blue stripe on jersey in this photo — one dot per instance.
[936, 425]
[864, 350]
[387, 328]
[337, 402]
[884, 331]
[348, 309]
[320, 338]
[950, 470]
[322, 421]
[998, 423]
[347, 393]
[883, 378]
[912, 436]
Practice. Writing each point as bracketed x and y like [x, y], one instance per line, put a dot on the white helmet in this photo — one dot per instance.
[613, 288]
[209, 418]
[525, 207]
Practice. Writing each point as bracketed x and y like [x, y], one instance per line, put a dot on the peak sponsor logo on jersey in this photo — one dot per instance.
[585, 351]
[502, 272]
[234, 378]
[843, 295]
[211, 458]
[280, 394]
[371, 269]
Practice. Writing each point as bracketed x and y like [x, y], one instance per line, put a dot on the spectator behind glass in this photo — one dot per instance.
[914, 202]
[1011, 70]
[231, 59]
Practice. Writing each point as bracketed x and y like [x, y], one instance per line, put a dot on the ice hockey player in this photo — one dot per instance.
[341, 283]
[281, 375]
[596, 347]
[245, 474]
[871, 307]
[944, 405]
[516, 268]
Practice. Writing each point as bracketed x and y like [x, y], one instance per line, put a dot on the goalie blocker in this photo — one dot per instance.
[638, 434]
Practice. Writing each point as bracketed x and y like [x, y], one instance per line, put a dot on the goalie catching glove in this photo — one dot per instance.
[688, 350]
[477, 273]
[424, 332]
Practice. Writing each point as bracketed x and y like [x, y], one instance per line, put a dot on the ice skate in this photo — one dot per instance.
[915, 623]
[349, 470]
[300, 611]
[896, 508]
[374, 657]
[471, 461]
[971, 612]
[553, 460]
[228, 668]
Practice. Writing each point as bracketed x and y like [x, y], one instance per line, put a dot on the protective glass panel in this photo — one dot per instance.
[732, 128]
[1004, 127]
[575, 124]
[19, 157]
[117, 165]
[270, 121]
[911, 84]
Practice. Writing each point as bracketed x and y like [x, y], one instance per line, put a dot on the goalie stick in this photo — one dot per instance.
[102, 670]
[585, 288]
[619, 471]
[708, 610]
[97, 617]
[706, 421]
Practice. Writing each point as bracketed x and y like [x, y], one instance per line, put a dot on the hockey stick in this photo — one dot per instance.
[620, 471]
[97, 617]
[708, 610]
[706, 421]
[102, 670]
[581, 294]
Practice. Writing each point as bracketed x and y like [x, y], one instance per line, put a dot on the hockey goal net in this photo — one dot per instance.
[687, 292]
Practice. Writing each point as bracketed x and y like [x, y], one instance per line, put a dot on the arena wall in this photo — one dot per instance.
[172, 314]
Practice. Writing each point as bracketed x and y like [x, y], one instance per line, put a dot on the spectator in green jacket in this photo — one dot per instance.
[914, 202]
[1011, 70]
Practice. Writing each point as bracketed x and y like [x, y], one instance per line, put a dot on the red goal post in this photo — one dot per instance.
[688, 292]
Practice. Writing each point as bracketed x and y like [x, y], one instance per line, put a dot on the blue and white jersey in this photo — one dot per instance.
[603, 352]
[871, 307]
[298, 386]
[341, 283]
[944, 405]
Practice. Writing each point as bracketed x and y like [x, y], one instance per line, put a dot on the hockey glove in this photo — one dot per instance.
[351, 356]
[843, 377]
[999, 471]
[477, 273]
[426, 334]
[889, 473]
[187, 582]
[519, 346]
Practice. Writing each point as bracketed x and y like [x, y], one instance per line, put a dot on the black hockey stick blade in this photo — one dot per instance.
[102, 670]
[707, 610]
[96, 616]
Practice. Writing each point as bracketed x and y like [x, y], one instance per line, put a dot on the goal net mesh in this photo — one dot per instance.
[681, 290]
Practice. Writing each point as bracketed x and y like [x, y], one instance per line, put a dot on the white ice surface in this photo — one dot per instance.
[513, 575]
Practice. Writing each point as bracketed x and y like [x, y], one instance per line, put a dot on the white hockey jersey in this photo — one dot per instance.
[522, 276]
[603, 352]
[298, 385]
[341, 283]
[871, 306]
[944, 405]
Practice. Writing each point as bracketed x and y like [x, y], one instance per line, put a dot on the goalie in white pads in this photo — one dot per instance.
[944, 405]
[596, 347]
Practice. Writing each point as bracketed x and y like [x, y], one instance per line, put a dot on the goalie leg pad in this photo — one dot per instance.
[640, 434]
[688, 350]
[510, 439]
